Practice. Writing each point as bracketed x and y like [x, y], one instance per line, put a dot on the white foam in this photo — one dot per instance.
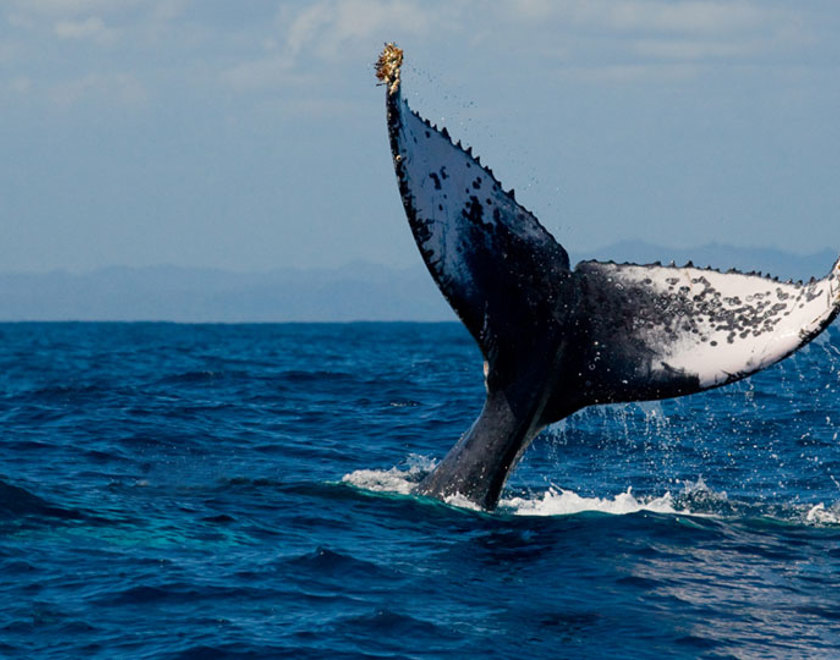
[555, 501]
[819, 515]
[696, 498]
[562, 502]
[402, 481]
[698, 492]
[462, 502]
[396, 480]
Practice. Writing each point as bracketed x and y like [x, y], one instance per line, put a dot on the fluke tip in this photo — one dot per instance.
[388, 66]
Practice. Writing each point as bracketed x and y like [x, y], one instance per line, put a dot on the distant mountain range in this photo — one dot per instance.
[357, 291]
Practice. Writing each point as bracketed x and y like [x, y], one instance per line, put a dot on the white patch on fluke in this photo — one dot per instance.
[719, 325]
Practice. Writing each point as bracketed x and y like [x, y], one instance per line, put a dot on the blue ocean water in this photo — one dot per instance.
[234, 491]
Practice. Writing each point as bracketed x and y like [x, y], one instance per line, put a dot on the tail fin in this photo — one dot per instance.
[656, 332]
[491, 258]
[556, 340]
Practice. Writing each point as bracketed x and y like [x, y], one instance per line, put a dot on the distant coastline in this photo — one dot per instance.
[355, 292]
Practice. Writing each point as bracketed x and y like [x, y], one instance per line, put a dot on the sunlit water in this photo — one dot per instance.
[171, 491]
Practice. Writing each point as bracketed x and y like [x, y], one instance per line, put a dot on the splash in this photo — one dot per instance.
[696, 498]
[396, 480]
[401, 480]
[819, 515]
[699, 498]
[561, 502]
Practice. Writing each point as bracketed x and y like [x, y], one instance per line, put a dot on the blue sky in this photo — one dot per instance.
[251, 135]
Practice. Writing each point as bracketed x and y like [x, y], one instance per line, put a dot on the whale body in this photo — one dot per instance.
[557, 339]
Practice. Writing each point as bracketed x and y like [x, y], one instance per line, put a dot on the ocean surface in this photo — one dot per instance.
[240, 491]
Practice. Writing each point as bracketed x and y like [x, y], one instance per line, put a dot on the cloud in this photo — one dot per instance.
[98, 21]
[663, 16]
[325, 28]
[326, 31]
[246, 51]
[20, 85]
[119, 88]
[92, 28]
[618, 41]
[268, 71]
[35, 13]
[71, 7]
[691, 49]
[685, 17]
[8, 51]
[168, 10]
[631, 73]
[15, 88]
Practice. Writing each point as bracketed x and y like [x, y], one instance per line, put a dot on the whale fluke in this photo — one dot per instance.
[557, 339]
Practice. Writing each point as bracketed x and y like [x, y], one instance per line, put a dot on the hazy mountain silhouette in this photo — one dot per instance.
[357, 291]
[169, 293]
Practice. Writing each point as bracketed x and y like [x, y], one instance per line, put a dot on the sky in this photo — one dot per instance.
[251, 135]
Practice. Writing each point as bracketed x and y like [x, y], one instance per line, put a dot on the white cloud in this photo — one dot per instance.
[91, 28]
[15, 88]
[71, 7]
[35, 13]
[20, 85]
[328, 30]
[265, 72]
[535, 9]
[8, 51]
[327, 27]
[686, 17]
[168, 10]
[119, 88]
[315, 37]
[307, 25]
[665, 16]
[689, 49]
[631, 73]
[633, 39]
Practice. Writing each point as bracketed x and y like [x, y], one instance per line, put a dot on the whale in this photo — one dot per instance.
[556, 339]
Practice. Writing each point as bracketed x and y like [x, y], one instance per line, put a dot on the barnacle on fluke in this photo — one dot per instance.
[556, 339]
[388, 66]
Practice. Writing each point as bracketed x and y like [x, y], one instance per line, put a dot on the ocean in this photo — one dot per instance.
[241, 491]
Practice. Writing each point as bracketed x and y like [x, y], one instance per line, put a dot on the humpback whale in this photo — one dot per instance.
[554, 338]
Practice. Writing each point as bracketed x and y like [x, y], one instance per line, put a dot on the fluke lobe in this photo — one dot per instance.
[555, 339]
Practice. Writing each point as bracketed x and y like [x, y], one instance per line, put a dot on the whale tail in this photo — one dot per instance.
[556, 339]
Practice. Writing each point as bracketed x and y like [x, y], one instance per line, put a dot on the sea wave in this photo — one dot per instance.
[820, 515]
[554, 501]
[561, 502]
[155, 474]
[16, 502]
[398, 479]
[696, 498]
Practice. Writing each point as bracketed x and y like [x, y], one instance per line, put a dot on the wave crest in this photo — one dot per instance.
[556, 501]
[396, 480]
[695, 499]
[819, 515]
[561, 502]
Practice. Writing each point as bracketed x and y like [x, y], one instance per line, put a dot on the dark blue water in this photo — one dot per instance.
[176, 491]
